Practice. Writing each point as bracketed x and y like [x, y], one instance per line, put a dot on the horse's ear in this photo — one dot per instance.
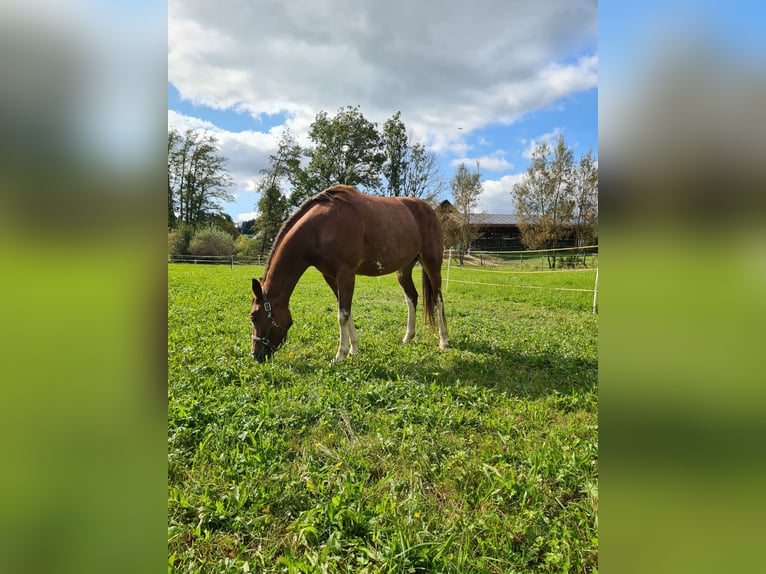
[257, 291]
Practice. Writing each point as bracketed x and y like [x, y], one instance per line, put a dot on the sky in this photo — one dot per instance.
[484, 80]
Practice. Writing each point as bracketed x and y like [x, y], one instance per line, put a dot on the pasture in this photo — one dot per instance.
[480, 458]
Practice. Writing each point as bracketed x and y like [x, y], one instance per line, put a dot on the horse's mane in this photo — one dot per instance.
[324, 196]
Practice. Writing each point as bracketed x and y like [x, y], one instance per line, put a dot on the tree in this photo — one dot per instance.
[466, 189]
[247, 227]
[273, 206]
[247, 247]
[452, 229]
[396, 146]
[224, 222]
[544, 198]
[586, 200]
[347, 149]
[197, 178]
[173, 143]
[423, 178]
[179, 238]
[410, 170]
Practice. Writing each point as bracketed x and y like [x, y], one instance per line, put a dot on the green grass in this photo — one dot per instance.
[480, 458]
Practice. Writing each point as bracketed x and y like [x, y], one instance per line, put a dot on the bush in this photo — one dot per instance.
[247, 247]
[178, 240]
[211, 242]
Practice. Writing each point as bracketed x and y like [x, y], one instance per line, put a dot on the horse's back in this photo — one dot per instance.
[382, 234]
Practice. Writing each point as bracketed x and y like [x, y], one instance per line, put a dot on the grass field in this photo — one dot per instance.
[480, 458]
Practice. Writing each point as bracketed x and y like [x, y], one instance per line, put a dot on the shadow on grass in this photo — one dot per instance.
[521, 374]
[471, 362]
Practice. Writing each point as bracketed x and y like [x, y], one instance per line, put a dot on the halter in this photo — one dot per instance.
[272, 323]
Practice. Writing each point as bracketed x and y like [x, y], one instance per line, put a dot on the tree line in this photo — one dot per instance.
[556, 201]
[346, 148]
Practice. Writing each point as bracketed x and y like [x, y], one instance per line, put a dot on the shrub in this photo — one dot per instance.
[211, 242]
[247, 247]
[178, 240]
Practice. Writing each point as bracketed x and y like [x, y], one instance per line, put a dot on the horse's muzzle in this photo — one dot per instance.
[261, 355]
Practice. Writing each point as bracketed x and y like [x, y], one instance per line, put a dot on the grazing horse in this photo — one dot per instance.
[343, 233]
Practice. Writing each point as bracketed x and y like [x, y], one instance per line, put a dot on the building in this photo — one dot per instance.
[496, 231]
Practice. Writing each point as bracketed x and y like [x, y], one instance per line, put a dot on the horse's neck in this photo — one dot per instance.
[283, 275]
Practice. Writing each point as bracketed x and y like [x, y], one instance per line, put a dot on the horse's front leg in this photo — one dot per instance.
[349, 342]
[345, 324]
[353, 339]
[348, 338]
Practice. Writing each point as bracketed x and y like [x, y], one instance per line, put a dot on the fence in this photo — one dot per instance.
[230, 260]
[487, 262]
[562, 260]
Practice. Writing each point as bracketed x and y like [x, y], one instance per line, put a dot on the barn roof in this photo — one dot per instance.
[484, 219]
[494, 219]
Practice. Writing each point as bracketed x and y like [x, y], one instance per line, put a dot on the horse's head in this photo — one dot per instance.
[270, 325]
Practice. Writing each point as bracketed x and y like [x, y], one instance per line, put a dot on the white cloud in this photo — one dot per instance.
[449, 67]
[493, 162]
[246, 216]
[548, 138]
[568, 79]
[446, 64]
[496, 194]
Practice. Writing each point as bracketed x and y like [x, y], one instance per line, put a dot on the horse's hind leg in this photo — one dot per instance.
[432, 269]
[441, 320]
[404, 277]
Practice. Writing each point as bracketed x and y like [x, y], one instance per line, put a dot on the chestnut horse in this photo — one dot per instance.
[343, 233]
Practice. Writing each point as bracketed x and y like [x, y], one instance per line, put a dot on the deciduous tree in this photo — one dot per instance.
[273, 206]
[466, 189]
[544, 198]
[585, 191]
[347, 149]
[409, 168]
[197, 178]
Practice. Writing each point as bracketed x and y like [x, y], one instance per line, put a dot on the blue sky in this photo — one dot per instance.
[482, 81]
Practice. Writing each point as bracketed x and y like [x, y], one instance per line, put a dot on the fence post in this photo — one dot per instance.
[595, 293]
[449, 264]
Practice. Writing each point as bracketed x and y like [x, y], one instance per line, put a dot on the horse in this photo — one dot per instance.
[343, 233]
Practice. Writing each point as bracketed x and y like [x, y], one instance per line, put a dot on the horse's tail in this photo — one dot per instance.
[429, 300]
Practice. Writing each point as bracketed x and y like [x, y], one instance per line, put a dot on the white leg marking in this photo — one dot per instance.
[352, 336]
[439, 310]
[343, 320]
[410, 320]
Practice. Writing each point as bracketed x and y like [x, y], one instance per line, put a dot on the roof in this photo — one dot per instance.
[494, 219]
[484, 219]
